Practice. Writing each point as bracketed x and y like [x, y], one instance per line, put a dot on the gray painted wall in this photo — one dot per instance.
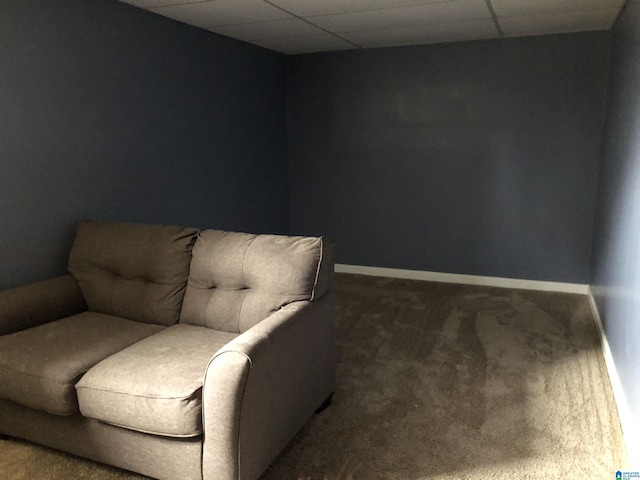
[469, 158]
[475, 158]
[616, 255]
[107, 111]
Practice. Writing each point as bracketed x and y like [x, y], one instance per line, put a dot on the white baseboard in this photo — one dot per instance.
[464, 279]
[631, 435]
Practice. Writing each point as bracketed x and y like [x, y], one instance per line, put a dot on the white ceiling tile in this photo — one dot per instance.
[222, 12]
[306, 8]
[300, 26]
[533, 7]
[437, 33]
[451, 11]
[524, 25]
[157, 3]
[306, 44]
[287, 28]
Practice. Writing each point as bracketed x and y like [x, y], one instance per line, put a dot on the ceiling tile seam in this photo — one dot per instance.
[422, 43]
[253, 23]
[377, 9]
[494, 17]
[312, 24]
[453, 22]
[320, 34]
[183, 4]
[293, 38]
[621, 9]
[567, 12]
[417, 25]
[270, 41]
[298, 37]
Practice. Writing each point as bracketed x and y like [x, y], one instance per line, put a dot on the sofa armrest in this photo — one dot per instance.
[39, 302]
[263, 386]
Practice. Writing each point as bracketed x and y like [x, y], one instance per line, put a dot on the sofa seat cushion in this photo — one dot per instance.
[40, 366]
[154, 386]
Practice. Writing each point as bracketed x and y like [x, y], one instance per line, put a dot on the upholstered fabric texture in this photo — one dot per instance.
[435, 382]
[39, 302]
[285, 369]
[238, 279]
[155, 455]
[40, 366]
[154, 386]
[138, 272]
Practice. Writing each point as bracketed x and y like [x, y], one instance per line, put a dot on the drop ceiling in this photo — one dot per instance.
[303, 26]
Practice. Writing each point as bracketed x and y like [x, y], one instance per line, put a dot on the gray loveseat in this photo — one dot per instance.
[172, 352]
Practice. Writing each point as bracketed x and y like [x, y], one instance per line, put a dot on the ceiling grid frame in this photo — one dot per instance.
[307, 26]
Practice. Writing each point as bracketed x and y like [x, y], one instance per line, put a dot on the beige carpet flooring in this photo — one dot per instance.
[438, 381]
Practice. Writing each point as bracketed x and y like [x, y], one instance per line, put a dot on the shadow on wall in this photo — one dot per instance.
[22, 260]
[112, 113]
[616, 257]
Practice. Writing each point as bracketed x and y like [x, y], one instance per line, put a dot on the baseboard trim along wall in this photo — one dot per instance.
[464, 279]
[631, 435]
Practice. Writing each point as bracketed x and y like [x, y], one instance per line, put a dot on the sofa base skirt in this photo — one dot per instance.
[151, 455]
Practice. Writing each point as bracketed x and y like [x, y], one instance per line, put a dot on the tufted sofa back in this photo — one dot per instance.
[133, 271]
[238, 279]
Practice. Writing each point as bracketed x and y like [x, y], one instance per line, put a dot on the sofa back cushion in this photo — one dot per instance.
[238, 279]
[138, 272]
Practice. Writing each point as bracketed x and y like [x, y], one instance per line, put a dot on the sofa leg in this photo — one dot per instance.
[325, 404]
